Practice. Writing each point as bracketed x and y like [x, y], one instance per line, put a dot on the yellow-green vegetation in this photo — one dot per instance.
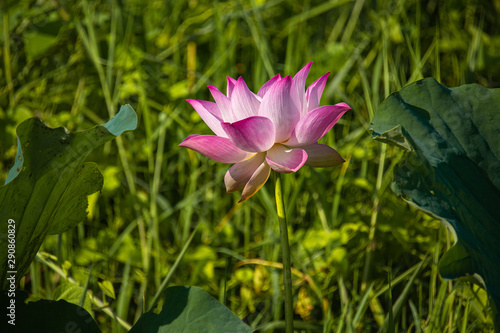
[362, 259]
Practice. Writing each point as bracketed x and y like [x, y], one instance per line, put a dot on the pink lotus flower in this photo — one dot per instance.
[278, 128]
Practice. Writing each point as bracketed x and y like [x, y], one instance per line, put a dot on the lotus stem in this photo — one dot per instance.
[285, 252]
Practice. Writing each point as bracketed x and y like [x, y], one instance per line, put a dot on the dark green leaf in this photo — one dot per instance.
[453, 172]
[38, 38]
[44, 316]
[46, 190]
[72, 293]
[190, 309]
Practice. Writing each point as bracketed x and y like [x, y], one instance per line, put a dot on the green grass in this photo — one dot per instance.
[358, 250]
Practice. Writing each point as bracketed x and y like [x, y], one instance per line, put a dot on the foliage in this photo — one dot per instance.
[454, 172]
[190, 309]
[73, 63]
[46, 190]
[48, 316]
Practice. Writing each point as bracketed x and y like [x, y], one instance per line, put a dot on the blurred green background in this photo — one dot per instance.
[73, 63]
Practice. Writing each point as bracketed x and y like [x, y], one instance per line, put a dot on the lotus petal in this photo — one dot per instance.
[265, 88]
[240, 173]
[315, 124]
[322, 156]
[314, 92]
[286, 160]
[258, 179]
[243, 102]
[253, 134]
[210, 113]
[230, 86]
[300, 82]
[281, 105]
[223, 103]
[215, 147]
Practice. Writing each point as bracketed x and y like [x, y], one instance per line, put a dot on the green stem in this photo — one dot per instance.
[6, 58]
[172, 269]
[285, 249]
